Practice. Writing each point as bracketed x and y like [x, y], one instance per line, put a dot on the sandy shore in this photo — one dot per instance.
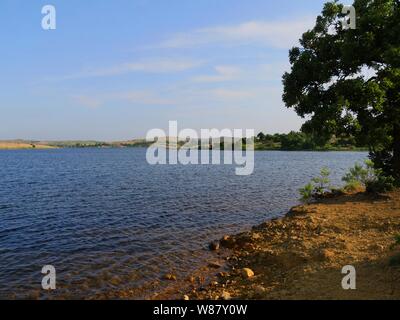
[302, 255]
[22, 146]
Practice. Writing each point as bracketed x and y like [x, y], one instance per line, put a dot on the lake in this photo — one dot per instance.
[108, 221]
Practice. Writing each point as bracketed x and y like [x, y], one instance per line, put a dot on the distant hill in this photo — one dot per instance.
[15, 145]
[32, 144]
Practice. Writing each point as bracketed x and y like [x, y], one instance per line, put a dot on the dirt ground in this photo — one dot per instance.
[302, 255]
[19, 145]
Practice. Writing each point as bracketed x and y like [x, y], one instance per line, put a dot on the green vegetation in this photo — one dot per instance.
[30, 144]
[348, 81]
[318, 186]
[297, 141]
[359, 177]
[372, 179]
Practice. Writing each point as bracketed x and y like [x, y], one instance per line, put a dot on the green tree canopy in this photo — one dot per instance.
[348, 80]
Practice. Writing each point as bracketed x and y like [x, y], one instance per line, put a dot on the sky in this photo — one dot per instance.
[113, 70]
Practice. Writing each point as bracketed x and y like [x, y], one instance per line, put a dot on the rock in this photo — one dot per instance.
[215, 265]
[247, 273]
[170, 277]
[226, 295]
[256, 236]
[227, 242]
[186, 297]
[214, 246]
[296, 211]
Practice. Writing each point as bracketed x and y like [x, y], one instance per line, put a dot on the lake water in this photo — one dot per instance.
[108, 221]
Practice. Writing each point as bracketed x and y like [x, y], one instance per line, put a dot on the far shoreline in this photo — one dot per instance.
[5, 145]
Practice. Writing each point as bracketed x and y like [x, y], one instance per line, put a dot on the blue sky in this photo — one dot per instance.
[113, 70]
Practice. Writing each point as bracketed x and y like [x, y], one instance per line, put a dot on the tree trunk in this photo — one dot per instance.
[396, 152]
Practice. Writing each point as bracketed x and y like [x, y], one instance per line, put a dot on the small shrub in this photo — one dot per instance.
[381, 184]
[322, 182]
[352, 186]
[317, 187]
[373, 180]
[307, 192]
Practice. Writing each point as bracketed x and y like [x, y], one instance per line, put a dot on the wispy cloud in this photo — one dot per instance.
[88, 101]
[279, 34]
[145, 97]
[222, 73]
[145, 66]
[231, 84]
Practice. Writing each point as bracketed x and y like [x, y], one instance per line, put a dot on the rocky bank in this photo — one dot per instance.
[301, 256]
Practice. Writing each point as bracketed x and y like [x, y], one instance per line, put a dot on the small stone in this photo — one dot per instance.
[226, 295]
[256, 236]
[214, 246]
[228, 242]
[215, 265]
[170, 277]
[247, 273]
[186, 297]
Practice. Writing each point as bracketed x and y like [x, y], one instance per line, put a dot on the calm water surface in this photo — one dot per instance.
[109, 221]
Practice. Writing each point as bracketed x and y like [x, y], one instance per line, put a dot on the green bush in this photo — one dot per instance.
[307, 192]
[380, 184]
[352, 186]
[367, 176]
[321, 183]
[317, 187]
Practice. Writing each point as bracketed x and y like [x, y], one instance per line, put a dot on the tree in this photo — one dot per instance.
[347, 81]
[261, 136]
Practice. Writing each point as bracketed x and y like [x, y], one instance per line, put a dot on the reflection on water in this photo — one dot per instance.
[109, 221]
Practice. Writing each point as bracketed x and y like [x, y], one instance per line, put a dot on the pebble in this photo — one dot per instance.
[170, 277]
[247, 273]
[215, 265]
[226, 295]
[214, 246]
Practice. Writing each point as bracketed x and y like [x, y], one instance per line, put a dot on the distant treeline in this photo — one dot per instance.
[296, 141]
[293, 141]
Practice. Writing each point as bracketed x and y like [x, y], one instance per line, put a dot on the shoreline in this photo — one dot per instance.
[301, 255]
[49, 147]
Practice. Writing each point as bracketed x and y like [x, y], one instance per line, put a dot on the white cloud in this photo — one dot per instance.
[143, 98]
[222, 73]
[145, 66]
[232, 94]
[279, 34]
[134, 97]
[88, 101]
